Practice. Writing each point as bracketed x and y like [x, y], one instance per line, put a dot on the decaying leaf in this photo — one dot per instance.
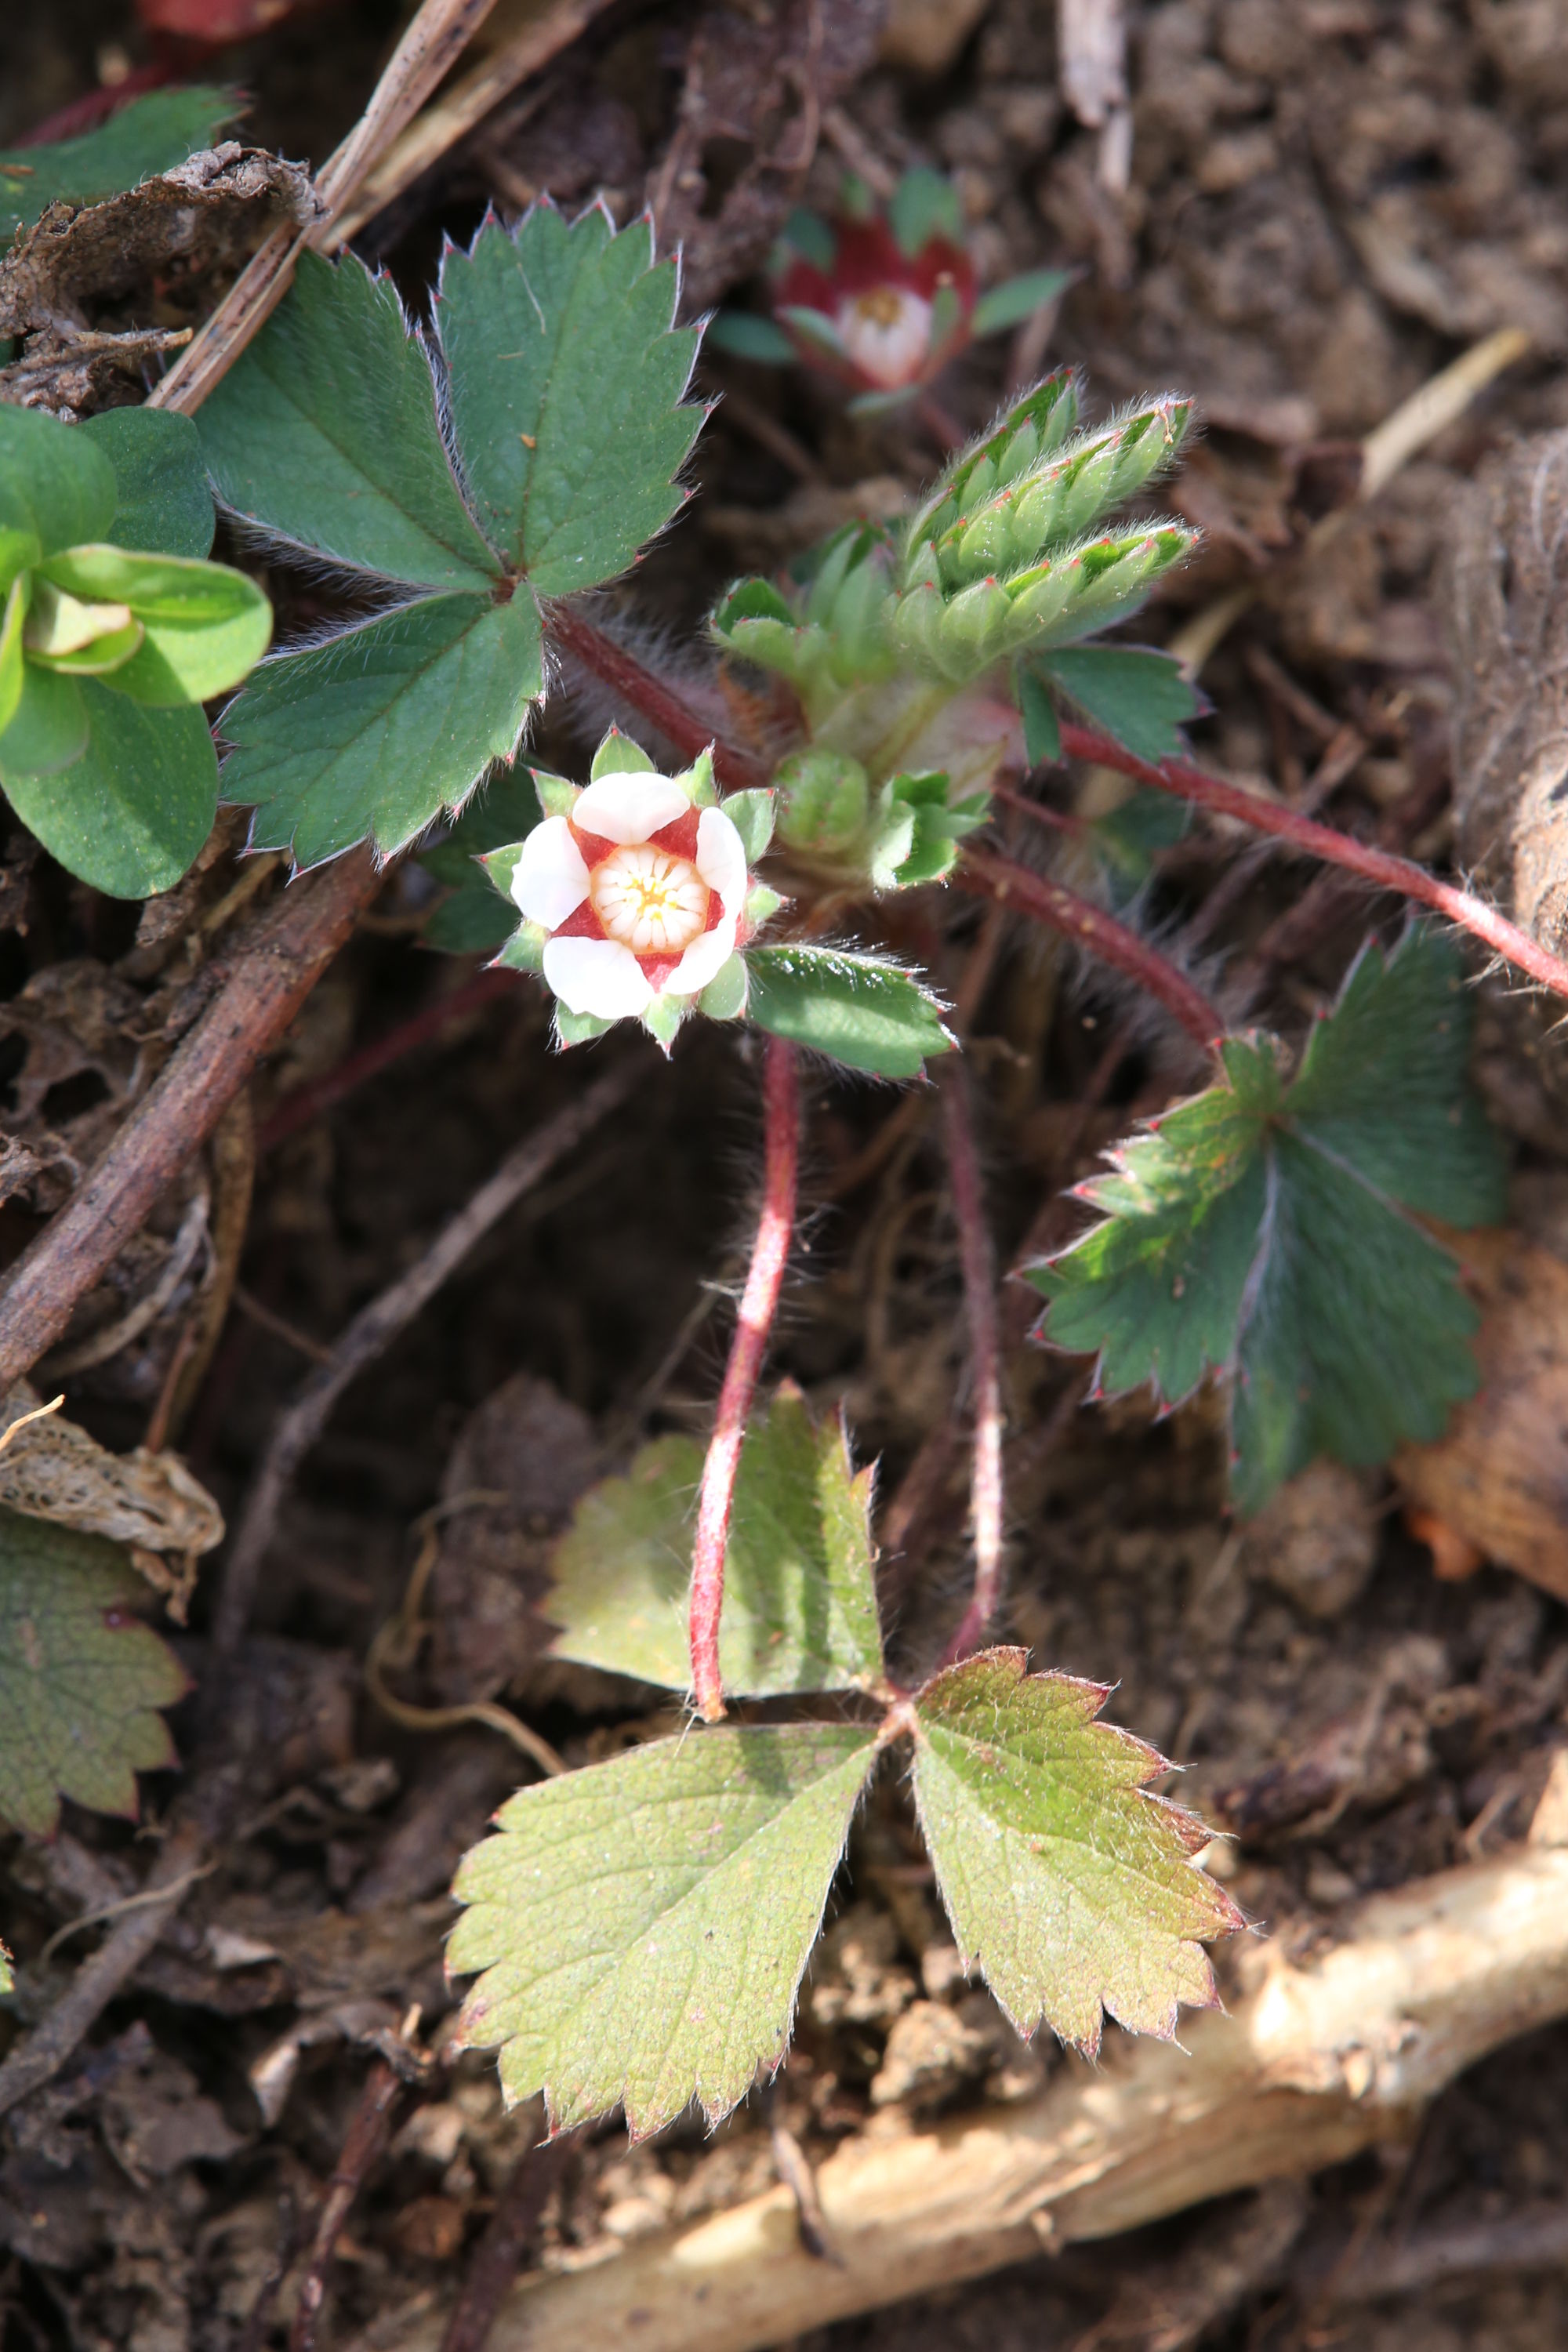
[1070, 1883]
[81, 1680]
[53, 1470]
[642, 1926]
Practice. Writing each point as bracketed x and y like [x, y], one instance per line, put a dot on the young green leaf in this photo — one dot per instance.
[150, 134]
[1070, 1883]
[129, 813]
[1014, 300]
[81, 1680]
[847, 1007]
[54, 481]
[642, 1926]
[203, 625]
[162, 505]
[1142, 698]
[567, 375]
[800, 1600]
[1266, 1229]
[375, 731]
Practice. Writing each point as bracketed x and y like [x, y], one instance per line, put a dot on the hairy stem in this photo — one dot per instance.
[979, 1263]
[635, 684]
[758, 1303]
[986, 876]
[1380, 867]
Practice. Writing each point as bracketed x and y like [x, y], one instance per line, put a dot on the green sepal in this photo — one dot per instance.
[696, 781]
[815, 328]
[524, 951]
[851, 1007]
[470, 919]
[557, 795]
[47, 730]
[751, 814]
[163, 503]
[662, 1019]
[578, 1028]
[924, 204]
[498, 865]
[1016, 299]
[724, 998]
[811, 236]
[761, 906]
[617, 755]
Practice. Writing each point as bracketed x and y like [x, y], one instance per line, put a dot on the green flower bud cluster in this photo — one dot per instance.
[891, 836]
[829, 634]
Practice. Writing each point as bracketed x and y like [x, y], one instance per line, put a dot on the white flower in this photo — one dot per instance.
[641, 893]
[886, 331]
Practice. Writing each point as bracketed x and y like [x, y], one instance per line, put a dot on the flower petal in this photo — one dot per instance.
[705, 958]
[628, 807]
[550, 881]
[722, 858]
[596, 976]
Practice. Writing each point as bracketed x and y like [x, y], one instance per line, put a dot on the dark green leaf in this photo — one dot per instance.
[1016, 298]
[163, 504]
[150, 134]
[130, 814]
[80, 1680]
[325, 434]
[643, 1925]
[380, 729]
[1144, 699]
[54, 481]
[746, 336]
[1070, 1883]
[1263, 1229]
[800, 1601]
[566, 375]
[1129, 836]
[849, 1007]
[473, 918]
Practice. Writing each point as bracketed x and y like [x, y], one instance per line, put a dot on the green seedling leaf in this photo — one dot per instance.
[163, 504]
[746, 336]
[54, 481]
[376, 730]
[1016, 298]
[326, 435]
[800, 1603]
[81, 1680]
[47, 728]
[150, 134]
[1144, 699]
[642, 1926]
[203, 625]
[130, 813]
[567, 374]
[851, 1007]
[1265, 1230]
[1070, 1883]
[477, 916]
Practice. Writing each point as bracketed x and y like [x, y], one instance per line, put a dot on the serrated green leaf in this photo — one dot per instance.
[849, 1007]
[81, 1680]
[150, 134]
[54, 481]
[1016, 298]
[642, 1926]
[381, 729]
[567, 374]
[477, 916]
[204, 626]
[163, 504]
[1067, 1881]
[1142, 698]
[1264, 1230]
[325, 434]
[800, 1600]
[130, 813]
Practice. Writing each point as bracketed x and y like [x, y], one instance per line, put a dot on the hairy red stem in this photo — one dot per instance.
[985, 876]
[758, 1303]
[1379, 866]
[635, 684]
[978, 1261]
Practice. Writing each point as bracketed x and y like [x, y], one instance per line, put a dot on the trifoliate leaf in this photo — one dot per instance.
[849, 1007]
[567, 372]
[1142, 698]
[150, 134]
[81, 1679]
[130, 813]
[375, 731]
[163, 504]
[643, 1925]
[800, 1600]
[326, 433]
[1064, 1878]
[1265, 1229]
[473, 918]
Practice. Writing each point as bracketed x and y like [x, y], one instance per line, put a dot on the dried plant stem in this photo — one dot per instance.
[1380, 867]
[362, 2143]
[985, 876]
[635, 684]
[979, 1263]
[759, 1304]
[500, 2253]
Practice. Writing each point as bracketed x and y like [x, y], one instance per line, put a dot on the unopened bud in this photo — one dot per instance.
[822, 800]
